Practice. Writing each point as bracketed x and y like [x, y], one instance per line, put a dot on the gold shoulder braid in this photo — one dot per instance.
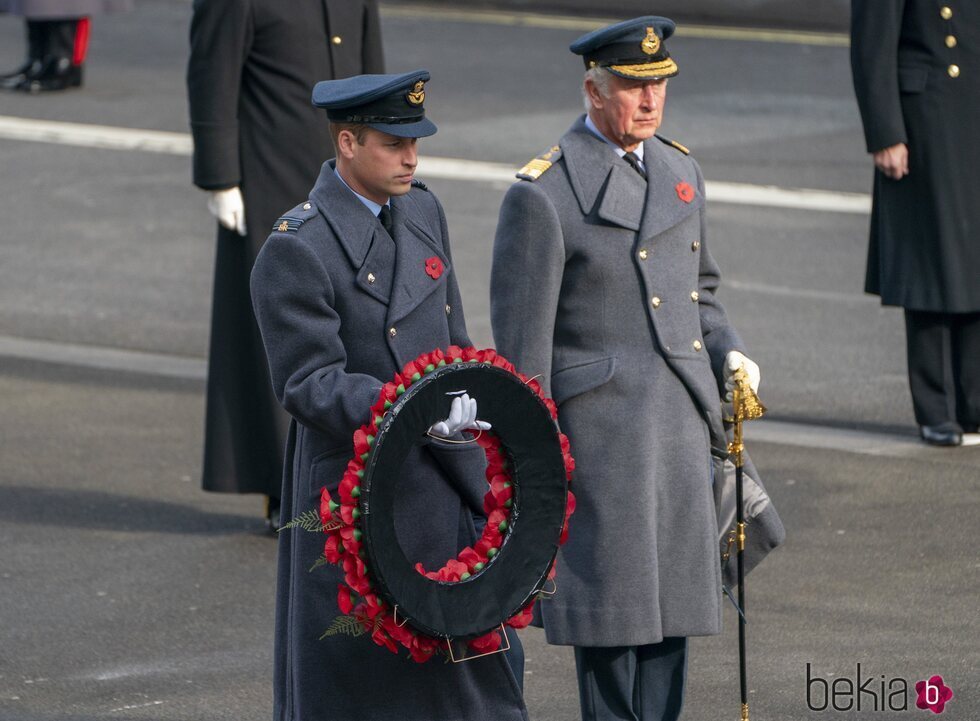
[674, 144]
[535, 168]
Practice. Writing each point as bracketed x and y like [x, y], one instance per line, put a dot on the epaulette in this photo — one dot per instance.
[416, 183]
[535, 168]
[291, 221]
[674, 144]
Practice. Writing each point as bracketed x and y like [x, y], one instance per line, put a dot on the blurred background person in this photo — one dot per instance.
[916, 68]
[258, 146]
[57, 41]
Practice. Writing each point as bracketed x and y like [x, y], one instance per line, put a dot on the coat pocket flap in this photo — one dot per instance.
[912, 80]
[570, 382]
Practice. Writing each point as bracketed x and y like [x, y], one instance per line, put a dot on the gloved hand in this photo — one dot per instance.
[229, 208]
[735, 360]
[462, 416]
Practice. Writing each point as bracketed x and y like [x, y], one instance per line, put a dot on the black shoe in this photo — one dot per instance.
[55, 74]
[945, 434]
[27, 71]
[272, 514]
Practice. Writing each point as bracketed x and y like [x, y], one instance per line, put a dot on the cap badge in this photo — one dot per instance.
[417, 94]
[651, 43]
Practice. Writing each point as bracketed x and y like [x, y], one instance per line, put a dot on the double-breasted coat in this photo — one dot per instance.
[342, 308]
[603, 284]
[252, 68]
[916, 69]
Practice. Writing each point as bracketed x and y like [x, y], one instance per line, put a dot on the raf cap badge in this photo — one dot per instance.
[651, 43]
[417, 95]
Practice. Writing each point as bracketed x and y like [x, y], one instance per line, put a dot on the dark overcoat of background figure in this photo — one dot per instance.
[251, 72]
[916, 67]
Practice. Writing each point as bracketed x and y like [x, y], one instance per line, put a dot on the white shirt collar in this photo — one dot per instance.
[619, 151]
[375, 208]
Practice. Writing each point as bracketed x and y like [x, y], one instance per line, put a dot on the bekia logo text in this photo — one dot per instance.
[872, 692]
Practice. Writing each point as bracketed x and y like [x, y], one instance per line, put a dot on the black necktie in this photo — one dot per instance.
[635, 162]
[385, 217]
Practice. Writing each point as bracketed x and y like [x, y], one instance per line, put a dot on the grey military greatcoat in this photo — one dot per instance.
[342, 308]
[603, 284]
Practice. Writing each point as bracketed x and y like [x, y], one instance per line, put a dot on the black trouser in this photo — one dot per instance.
[632, 683]
[944, 367]
[57, 38]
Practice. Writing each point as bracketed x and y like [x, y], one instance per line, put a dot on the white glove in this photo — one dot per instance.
[734, 361]
[462, 416]
[229, 208]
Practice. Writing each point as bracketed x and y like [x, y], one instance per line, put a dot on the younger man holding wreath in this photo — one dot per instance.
[353, 284]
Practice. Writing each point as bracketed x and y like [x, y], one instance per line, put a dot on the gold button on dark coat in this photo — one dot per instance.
[946, 12]
[655, 302]
[694, 296]
[951, 41]
[370, 277]
[954, 71]
[448, 309]
[643, 254]
[306, 206]
[336, 40]
[392, 332]
[695, 245]
[697, 345]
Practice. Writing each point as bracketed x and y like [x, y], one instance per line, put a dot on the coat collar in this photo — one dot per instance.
[352, 223]
[602, 182]
[415, 244]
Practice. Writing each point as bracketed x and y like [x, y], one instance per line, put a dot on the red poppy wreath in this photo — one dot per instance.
[527, 506]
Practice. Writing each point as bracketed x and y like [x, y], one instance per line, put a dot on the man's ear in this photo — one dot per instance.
[592, 91]
[346, 140]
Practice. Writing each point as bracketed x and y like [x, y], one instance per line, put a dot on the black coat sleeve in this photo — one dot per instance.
[876, 27]
[220, 35]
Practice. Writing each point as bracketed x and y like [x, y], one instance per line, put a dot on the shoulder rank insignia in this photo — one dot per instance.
[674, 144]
[416, 183]
[536, 167]
[297, 216]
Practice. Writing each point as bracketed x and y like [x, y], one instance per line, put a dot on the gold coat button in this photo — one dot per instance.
[954, 71]
[370, 277]
[695, 245]
[694, 296]
[336, 40]
[951, 41]
[697, 345]
[392, 332]
[448, 309]
[655, 302]
[306, 206]
[643, 254]
[946, 12]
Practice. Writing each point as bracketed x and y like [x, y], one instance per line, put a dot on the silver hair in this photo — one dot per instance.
[600, 77]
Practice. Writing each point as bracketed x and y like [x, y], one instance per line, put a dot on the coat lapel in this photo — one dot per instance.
[664, 207]
[414, 245]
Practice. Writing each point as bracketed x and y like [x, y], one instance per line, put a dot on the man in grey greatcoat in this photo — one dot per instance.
[603, 285]
[345, 295]
[916, 68]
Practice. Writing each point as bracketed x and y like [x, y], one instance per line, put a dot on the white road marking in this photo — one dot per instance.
[169, 143]
[584, 24]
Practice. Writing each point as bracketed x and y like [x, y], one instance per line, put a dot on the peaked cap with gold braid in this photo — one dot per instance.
[631, 49]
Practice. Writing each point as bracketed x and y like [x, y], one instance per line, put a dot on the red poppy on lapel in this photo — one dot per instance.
[684, 191]
[433, 267]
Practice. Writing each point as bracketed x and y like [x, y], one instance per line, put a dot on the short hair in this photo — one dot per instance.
[358, 129]
[600, 77]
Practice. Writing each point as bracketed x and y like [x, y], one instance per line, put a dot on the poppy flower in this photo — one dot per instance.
[486, 644]
[684, 191]
[433, 267]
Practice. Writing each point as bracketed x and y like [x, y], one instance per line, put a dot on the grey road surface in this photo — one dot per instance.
[126, 593]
